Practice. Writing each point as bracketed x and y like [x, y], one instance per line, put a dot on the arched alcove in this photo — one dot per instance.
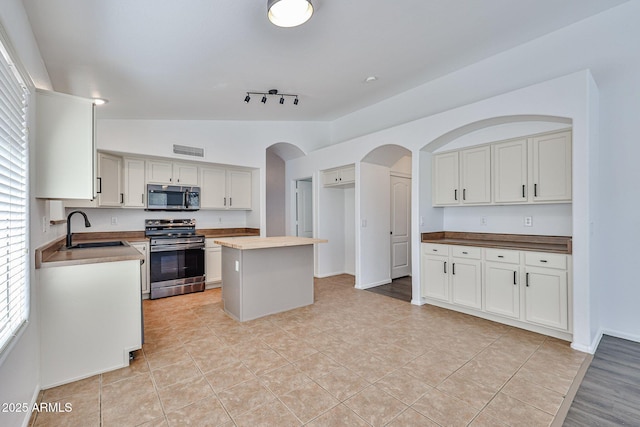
[276, 157]
[385, 215]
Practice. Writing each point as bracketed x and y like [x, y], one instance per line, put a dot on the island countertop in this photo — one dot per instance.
[245, 243]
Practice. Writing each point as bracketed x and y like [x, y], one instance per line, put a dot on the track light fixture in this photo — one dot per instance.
[269, 93]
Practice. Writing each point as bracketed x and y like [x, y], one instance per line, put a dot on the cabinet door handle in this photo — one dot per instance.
[455, 194]
[99, 185]
[500, 256]
[514, 278]
[230, 202]
[453, 268]
[464, 194]
[535, 190]
[523, 193]
[121, 198]
[225, 202]
[142, 198]
[527, 280]
[445, 267]
[465, 252]
[543, 260]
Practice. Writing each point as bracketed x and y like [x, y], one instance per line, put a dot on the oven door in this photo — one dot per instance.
[173, 267]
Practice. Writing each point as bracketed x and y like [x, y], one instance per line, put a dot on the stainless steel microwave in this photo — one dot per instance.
[172, 198]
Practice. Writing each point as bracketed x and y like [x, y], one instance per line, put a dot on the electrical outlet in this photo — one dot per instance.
[219, 220]
[528, 221]
[114, 220]
[483, 220]
[363, 223]
[44, 224]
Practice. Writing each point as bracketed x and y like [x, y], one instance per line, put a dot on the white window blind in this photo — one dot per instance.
[14, 284]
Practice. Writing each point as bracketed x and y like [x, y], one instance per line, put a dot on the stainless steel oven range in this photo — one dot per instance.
[177, 257]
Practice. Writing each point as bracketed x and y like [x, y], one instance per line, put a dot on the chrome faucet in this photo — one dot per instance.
[86, 224]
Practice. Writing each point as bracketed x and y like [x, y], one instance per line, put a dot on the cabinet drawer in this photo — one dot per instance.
[435, 249]
[541, 259]
[502, 255]
[466, 252]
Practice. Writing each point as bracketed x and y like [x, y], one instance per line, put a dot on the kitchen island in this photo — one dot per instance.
[266, 275]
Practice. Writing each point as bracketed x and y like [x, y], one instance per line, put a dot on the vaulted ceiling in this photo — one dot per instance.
[196, 59]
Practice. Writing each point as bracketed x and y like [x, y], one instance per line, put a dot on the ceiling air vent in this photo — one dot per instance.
[188, 151]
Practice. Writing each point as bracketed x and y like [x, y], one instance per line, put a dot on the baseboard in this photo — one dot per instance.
[324, 276]
[622, 335]
[34, 400]
[373, 285]
[591, 348]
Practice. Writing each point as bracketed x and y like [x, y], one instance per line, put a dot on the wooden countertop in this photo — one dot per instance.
[55, 255]
[245, 243]
[521, 242]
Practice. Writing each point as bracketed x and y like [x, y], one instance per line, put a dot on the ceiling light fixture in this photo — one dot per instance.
[271, 92]
[289, 13]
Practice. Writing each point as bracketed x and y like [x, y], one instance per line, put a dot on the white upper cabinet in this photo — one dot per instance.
[462, 177]
[109, 180]
[446, 180]
[340, 177]
[159, 172]
[534, 169]
[163, 172]
[66, 160]
[134, 183]
[475, 175]
[510, 171]
[239, 189]
[213, 190]
[551, 167]
[185, 174]
[225, 188]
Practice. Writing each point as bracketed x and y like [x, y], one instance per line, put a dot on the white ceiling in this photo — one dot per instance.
[195, 59]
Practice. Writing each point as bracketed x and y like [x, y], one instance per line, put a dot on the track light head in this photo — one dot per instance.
[281, 100]
[295, 101]
[264, 99]
[247, 98]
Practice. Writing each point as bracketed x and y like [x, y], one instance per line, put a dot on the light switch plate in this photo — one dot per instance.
[528, 221]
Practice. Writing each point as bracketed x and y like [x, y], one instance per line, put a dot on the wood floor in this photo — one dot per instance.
[609, 394]
[399, 288]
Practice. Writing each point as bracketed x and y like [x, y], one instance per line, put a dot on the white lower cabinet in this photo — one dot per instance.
[502, 282]
[143, 248]
[452, 274]
[212, 262]
[521, 288]
[546, 290]
[435, 277]
[466, 280]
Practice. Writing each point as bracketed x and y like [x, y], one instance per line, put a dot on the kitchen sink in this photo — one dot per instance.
[98, 244]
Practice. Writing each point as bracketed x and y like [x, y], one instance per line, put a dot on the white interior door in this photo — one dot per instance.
[400, 227]
[304, 216]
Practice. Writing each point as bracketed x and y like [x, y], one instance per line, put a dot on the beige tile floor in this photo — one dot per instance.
[352, 358]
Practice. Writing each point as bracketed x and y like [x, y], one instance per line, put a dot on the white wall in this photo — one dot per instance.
[133, 219]
[20, 363]
[331, 226]
[275, 195]
[375, 210]
[350, 230]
